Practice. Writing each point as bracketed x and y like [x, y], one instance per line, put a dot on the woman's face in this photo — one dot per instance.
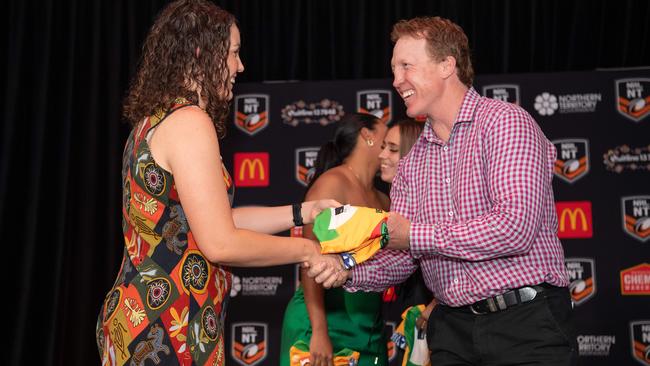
[234, 62]
[389, 156]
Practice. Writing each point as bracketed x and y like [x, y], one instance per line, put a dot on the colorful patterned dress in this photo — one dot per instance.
[168, 303]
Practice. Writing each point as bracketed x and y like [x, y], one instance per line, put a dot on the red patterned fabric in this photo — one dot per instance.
[168, 303]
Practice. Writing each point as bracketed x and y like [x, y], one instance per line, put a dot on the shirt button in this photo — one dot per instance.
[445, 148]
[455, 280]
[447, 180]
[451, 213]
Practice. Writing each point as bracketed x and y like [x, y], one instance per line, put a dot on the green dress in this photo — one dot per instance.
[353, 320]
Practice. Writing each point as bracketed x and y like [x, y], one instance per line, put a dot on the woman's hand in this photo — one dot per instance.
[320, 349]
[311, 209]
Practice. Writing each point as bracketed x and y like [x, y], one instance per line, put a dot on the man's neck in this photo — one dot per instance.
[444, 114]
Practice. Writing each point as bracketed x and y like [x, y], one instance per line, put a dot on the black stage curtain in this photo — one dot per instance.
[67, 65]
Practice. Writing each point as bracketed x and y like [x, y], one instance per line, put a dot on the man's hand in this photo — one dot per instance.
[328, 271]
[311, 209]
[398, 230]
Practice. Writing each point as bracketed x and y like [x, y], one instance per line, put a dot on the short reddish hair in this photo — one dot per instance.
[444, 38]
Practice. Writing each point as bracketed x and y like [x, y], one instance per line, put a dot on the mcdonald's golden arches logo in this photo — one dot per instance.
[252, 169]
[574, 219]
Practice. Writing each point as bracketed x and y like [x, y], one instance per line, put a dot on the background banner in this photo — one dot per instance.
[600, 124]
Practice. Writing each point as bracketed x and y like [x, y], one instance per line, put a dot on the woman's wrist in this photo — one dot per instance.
[296, 211]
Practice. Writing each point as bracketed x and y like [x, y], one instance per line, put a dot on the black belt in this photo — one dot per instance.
[504, 301]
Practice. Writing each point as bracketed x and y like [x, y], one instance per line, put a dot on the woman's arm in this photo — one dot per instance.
[271, 220]
[187, 145]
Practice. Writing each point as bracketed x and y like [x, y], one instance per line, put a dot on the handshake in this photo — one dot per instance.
[326, 269]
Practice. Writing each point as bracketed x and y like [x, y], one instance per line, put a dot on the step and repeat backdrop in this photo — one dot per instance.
[600, 124]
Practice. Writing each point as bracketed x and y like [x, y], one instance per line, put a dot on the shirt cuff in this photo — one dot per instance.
[421, 239]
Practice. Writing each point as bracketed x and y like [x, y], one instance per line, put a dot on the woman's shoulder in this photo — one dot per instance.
[330, 184]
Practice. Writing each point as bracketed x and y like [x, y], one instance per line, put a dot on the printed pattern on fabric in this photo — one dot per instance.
[168, 303]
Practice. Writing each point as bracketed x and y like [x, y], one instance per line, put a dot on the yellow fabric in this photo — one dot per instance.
[299, 356]
[356, 232]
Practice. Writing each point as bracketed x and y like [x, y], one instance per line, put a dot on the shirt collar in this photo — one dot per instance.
[465, 114]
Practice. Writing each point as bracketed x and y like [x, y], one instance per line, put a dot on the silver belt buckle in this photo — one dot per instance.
[476, 312]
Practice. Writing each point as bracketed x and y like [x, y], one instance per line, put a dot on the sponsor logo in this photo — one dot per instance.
[582, 274]
[324, 112]
[376, 102]
[636, 217]
[236, 286]
[595, 345]
[305, 161]
[636, 280]
[546, 104]
[389, 330]
[255, 286]
[624, 157]
[633, 98]
[249, 343]
[504, 92]
[574, 219]
[640, 337]
[251, 112]
[252, 169]
[572, 161]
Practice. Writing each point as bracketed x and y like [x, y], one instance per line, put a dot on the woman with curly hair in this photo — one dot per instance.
[180, 233]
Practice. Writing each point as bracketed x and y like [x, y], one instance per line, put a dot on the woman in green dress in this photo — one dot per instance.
[335, 322]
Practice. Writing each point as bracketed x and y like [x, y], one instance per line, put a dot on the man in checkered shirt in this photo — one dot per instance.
[472, 205]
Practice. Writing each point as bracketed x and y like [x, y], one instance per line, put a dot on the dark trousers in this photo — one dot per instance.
[539, 332]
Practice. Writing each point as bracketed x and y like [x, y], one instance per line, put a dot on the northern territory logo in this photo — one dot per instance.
[249, 346]
[572, 161]
[633, 98]
[376, 102]
[504, 92]
[636, 217]
[582, 277]
[640, 337]
[251, 112]
[305, 164]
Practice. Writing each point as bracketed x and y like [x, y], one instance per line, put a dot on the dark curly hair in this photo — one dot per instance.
[171, 67]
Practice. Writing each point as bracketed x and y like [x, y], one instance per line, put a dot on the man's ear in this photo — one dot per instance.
[447, 66]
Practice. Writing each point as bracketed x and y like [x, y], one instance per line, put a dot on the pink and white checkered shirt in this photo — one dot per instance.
[481, 207]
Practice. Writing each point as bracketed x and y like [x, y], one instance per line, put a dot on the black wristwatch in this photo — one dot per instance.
[297, 214]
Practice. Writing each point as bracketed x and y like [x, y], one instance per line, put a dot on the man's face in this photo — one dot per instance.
[416, 76]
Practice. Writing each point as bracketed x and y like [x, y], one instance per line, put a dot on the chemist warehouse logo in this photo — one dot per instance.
[504, 92]
[305, 164]
[572, 161]
[640, 337]
[582, 277]
[633, 98]
[636, 217]
[376, 102]
[574, 219]
[249, 343]
[251, 112]
[636, 280]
